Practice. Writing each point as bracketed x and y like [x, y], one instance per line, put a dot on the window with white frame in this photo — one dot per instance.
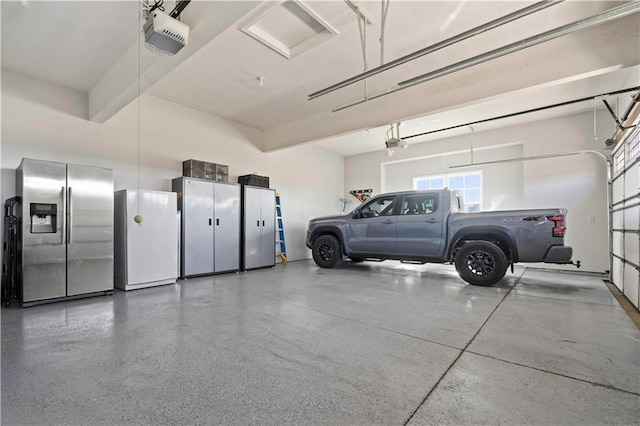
[429, 182]
[469, 185]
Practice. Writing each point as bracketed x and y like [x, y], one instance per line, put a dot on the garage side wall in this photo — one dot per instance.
[577, 183]
[40, 121]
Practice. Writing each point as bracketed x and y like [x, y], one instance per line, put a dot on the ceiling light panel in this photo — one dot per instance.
[289, 28]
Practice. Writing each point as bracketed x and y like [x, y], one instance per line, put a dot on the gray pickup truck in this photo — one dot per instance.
[431, 227]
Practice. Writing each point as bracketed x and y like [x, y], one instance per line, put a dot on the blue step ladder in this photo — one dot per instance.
[281, 248]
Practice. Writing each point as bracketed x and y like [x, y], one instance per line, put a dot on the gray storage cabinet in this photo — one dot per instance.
[210, 226]
[258, 227]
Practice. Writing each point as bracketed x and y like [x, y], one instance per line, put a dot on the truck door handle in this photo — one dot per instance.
[388, 222]
[431, 220]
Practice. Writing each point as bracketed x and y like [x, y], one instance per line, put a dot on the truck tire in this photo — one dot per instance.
[326, 251]
[481, 263]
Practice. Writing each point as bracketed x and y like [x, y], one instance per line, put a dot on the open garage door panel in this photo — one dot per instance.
[625, 218]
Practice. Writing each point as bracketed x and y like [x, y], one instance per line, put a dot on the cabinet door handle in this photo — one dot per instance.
[263, 223]
[217, 222]
[258, 223]
[209, 221]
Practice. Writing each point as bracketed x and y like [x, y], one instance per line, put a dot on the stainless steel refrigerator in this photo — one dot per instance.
[65, 236]
[210, 226]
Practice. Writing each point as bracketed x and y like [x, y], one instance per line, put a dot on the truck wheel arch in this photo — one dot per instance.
[502, 236]
[329, 230]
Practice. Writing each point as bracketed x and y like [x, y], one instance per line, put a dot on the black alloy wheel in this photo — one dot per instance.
[481, 263]
[326, 251]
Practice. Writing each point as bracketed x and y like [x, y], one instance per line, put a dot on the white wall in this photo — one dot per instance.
[498, 193]
[43, 121]
[577, 183]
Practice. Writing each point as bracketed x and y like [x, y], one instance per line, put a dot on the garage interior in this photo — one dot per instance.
[539, 111]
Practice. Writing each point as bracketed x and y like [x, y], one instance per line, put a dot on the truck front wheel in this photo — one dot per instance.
[326, 251]
[481, 263]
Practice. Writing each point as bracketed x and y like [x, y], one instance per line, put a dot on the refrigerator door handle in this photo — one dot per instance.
[70, 213]
[63, 237]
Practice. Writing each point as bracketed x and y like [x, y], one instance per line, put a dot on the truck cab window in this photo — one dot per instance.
[419, 204]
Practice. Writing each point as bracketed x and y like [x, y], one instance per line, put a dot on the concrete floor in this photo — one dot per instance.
[364, 344]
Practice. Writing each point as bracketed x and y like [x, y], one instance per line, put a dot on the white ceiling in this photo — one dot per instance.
[66, 45]
[76, 44]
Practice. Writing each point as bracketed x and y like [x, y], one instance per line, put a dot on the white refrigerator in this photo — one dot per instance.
[145, 254]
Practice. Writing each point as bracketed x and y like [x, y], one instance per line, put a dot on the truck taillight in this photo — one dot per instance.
[558, 227]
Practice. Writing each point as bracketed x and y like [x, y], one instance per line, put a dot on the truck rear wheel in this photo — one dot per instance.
[481, 263]
[326, 251]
